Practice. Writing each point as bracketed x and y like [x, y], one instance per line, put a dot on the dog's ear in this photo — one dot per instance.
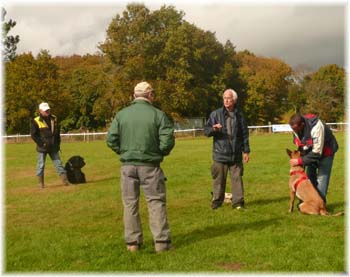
[289, 152]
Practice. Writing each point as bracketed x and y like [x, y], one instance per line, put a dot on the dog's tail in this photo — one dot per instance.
[336, 214]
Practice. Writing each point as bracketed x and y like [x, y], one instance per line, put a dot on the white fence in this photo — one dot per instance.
[87, 136]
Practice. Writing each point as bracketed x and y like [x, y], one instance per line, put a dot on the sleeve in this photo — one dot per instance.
[58, 134]
[113, 137]
[245, 134]
[35, 133]
[296, 140]
[166, 135]
[317, 135]
[208, 128]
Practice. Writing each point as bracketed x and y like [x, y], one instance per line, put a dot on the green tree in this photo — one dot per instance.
[325, 92]
[186, 65]
[82, 78]
[9, 43]
[296, 92]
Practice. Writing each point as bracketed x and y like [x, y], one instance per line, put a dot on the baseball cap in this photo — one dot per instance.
[44, 106]
[142, 88]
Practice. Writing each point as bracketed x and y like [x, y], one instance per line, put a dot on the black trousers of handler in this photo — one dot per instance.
[219, 173]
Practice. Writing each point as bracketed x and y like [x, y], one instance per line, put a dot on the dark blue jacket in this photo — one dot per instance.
[305, 141]
[226, 148]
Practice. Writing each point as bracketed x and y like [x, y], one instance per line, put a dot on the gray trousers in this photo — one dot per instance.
[151, 179]
[219, 174]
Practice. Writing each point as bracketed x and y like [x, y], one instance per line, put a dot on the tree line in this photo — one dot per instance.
[188, 67]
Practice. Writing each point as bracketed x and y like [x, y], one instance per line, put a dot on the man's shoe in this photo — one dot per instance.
[133, 248]
[41, 181]
[215, 205]
[161, 247]
[64, 179]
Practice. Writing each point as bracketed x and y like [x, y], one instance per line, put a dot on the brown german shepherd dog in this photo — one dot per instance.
[301, 186]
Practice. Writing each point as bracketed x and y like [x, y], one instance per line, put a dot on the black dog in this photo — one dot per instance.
[73, 168]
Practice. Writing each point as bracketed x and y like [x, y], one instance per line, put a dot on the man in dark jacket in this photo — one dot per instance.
[318, 145]
[230, 139]
[142, 135]
[46, 134]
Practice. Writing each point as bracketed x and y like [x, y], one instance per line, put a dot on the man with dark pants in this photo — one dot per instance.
[46, 134]
[142, 135]
[318, 145]
[230, 139]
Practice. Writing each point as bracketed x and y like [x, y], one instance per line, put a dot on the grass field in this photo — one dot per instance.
[79, 228]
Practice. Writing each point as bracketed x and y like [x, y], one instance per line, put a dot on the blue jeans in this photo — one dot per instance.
[320, 175]
[55, 157]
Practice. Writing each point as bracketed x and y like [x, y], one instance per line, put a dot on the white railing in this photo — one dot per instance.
[87, 136]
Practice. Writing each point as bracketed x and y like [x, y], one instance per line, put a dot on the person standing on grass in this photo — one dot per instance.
[142, 135]
[230, 139]
[318, 145]
[46, 134]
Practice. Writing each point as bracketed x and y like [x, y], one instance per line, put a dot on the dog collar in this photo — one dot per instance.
[303, 177]
[297, 172]
[297, 183]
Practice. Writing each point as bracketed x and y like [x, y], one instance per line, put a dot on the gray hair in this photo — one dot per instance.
[141, 94]
[234, 94]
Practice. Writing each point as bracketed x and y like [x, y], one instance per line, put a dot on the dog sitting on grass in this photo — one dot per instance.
[73, 168]
[301, 186]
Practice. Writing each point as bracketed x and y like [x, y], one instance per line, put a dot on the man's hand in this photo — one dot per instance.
[246, 157]
[217, 127]
[294, 162]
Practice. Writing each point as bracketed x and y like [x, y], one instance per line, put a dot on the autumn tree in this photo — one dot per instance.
[267, 82]
[28, 82]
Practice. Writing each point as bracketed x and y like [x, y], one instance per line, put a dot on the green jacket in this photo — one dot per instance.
[141, 134]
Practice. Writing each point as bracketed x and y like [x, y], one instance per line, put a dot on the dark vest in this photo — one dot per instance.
[305, 142]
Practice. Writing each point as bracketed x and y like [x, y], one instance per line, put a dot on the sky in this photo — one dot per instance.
[301, 33]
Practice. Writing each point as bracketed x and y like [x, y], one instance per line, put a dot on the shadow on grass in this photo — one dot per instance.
[336, 207]
[259, 202]
[223, 229]
[102, 180]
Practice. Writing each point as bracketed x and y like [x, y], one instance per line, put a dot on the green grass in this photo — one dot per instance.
[80, 228]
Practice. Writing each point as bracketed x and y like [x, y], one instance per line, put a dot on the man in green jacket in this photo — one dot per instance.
[142, 135]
